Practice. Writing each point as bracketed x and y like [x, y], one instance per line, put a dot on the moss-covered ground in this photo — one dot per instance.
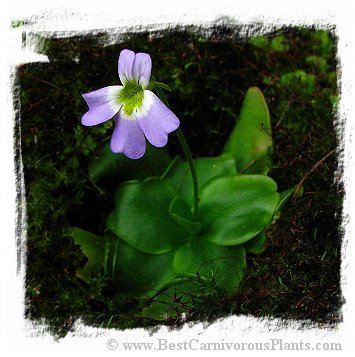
[298, 275]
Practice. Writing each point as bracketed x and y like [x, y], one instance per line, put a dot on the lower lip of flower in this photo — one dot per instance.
[131, 96]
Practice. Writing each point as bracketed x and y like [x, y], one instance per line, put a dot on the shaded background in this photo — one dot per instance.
[297, 277]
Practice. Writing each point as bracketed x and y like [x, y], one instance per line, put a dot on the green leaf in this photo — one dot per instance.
[250, 142]
[234, 209]
[256, 245]
[180, 212]
[179, 177]
[204, 260]
[118, 166]
[94, 248]
[138, 274]
[284, 197]
[141, 217]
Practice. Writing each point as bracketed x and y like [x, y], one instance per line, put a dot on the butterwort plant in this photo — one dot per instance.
[179, 227]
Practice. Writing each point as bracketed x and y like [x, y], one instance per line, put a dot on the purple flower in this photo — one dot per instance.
[138, 112]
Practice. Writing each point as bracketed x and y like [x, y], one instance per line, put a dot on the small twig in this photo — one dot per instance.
[271, 83]
[282, 115]
[314, 168]
[46, 82]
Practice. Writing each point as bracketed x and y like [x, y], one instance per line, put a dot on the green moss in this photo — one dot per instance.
[278, 44]
[17, 23]
[298, 274]
[298, 79]
[260, 42]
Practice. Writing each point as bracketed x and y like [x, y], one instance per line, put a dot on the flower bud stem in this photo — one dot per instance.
[186, 150]
[187, 153]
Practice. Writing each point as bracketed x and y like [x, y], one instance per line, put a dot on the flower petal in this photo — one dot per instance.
[156, 119]
[142, 68]
[125, 63]
[103, 105]
[128, 137]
